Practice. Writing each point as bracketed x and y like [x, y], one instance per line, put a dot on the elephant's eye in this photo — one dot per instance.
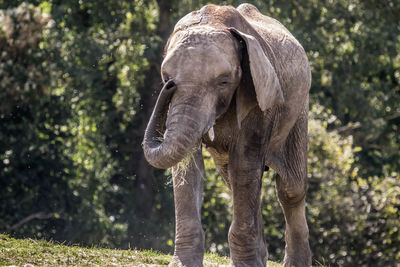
[223, 81]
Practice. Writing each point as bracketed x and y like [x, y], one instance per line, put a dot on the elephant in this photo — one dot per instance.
[237, 83]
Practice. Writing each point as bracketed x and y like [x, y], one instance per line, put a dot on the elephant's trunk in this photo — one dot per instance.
[165, 151]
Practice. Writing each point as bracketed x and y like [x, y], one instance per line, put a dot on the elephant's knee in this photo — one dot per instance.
[291, 194]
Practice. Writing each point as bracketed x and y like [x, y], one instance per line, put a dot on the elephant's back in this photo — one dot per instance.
[269, 28]
[257, 19]
[281, 41]
[292, 65]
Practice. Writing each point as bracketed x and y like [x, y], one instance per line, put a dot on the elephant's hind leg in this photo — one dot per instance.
[291, 186]
[188, 192]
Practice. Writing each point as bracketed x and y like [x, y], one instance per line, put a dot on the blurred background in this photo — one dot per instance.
[78, 80]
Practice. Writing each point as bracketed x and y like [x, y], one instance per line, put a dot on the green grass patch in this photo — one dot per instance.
[19, 252]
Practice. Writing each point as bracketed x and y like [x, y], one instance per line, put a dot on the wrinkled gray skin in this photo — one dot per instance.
[244, 77]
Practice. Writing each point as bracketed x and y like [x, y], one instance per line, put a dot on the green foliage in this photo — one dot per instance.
[32, 122]
[343, 207]
[68, 125]
[78, 81]
[353, 47]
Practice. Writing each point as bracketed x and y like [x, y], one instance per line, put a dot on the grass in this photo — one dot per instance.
[33, 252]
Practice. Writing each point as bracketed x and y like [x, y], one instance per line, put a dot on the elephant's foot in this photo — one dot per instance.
[247, 251]
[293, 261]
[298, 257]
[189, 245]
[297, 250]
[188, 261]
[249, 263]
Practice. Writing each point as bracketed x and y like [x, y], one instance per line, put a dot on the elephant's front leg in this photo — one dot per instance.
[188, 193]
[246, 240]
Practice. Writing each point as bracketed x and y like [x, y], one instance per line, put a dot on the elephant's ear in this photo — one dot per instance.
[267, 88]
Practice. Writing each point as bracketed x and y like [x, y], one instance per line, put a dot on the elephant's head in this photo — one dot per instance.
[202, 70]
